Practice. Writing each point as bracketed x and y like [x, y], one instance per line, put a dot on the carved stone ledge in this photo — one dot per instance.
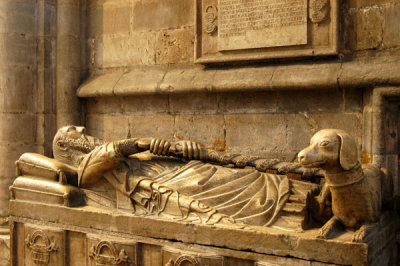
[189, 78]
[257, 240]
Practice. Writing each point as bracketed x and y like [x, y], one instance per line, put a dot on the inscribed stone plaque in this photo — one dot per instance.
[256, 30]
[246, 24]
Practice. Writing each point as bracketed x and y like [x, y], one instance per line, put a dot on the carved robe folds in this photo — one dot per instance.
[194, 191]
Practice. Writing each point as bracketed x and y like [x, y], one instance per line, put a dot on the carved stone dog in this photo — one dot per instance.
[356, 192]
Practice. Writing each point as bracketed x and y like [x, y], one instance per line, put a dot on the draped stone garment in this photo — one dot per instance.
[245, 195]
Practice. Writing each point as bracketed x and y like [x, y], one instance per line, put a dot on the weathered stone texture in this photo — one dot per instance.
[145, 126]
[391, 25]
[269, 124]
[155, 15]
[175, 46]
[211, 135]
[372, 25]
[20, 20]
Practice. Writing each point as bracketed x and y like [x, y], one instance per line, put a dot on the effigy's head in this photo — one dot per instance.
[71, 144]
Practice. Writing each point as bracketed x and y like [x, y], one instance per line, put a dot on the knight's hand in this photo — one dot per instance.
[189, 150]
[159, 146]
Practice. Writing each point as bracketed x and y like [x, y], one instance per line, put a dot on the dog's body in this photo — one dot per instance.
[356, 192]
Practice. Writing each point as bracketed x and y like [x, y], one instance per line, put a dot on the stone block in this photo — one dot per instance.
[194, 103]
[18, 85]
[353, 100]
[155, 14]
[47, 18]
[95, 125]
[46, 52]
[318, 75]
[175, 46]
[300, 129]
[71, 117]
[364, 72]
[141, 80]
[349, 122]
[116, 127]
[365, 28]
[18, 17]
[256, 134]
[44, 96]
[160, 126]
[116, 18]
[46, 128]
[248, 102]
[18, 50]
[128, 49]
[310, 101]
[7, 166]
[17, 128]
[68, 18]
[243, 78]
[68, 52]
[391, 28]
[67, 82]
[146, 104]
[180, 79]
[104, 105]
[94, 19]
[208, 130]
[100, 86]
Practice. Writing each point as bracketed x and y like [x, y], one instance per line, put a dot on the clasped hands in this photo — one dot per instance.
[183, 149]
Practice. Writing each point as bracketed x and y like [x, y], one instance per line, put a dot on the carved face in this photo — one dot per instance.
[71, 143]
[331, 150]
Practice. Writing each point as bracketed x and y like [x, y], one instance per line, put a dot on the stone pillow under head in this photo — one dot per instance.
[34, 164]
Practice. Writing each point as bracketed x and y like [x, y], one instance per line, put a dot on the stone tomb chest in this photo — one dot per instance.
[53, 222]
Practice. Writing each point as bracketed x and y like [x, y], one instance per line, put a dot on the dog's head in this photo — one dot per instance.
[331, 150]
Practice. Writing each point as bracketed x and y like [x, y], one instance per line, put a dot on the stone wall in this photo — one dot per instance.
[140, 56]
[19, 90]
[269, 124]
[124, 33]
[38, 81]
[272, 112]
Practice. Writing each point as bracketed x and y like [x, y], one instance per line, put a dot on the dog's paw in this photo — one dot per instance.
[358, 237]
[328, 228]
[325, 231]
[321, 234]
[361, 234]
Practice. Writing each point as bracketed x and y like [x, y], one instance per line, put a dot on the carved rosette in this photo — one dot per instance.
[104, 253]
[210, 19]
[183, 260]
[41, 247]
[318, 10]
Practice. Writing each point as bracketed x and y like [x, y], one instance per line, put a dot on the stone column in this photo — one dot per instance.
[69, 57]
[46, 72]
[18, 85]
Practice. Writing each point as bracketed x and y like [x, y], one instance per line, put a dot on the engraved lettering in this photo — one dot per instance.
[243, 19]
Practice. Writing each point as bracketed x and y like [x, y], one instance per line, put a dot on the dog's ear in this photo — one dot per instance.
[348, 155]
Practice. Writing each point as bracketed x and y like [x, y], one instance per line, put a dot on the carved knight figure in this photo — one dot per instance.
[113, 174]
